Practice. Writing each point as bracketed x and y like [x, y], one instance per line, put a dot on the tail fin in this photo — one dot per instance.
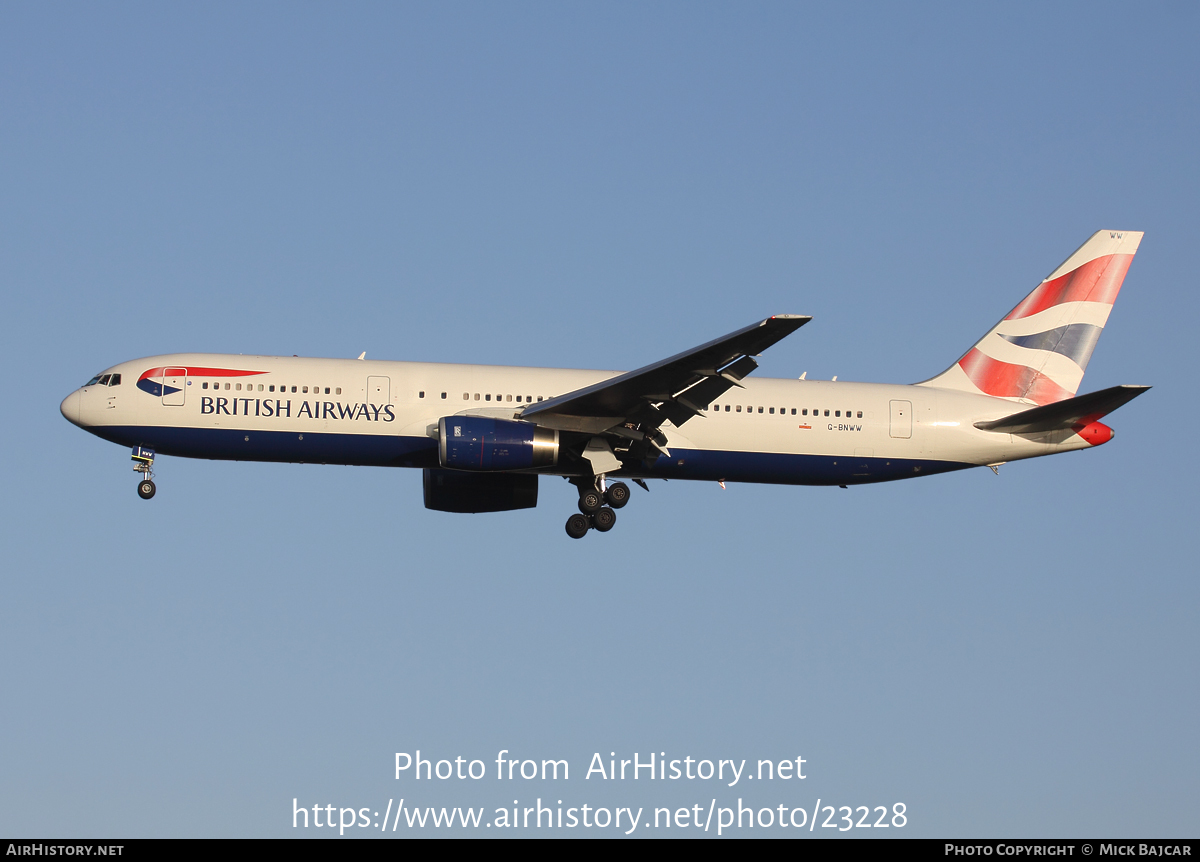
[1039, 351]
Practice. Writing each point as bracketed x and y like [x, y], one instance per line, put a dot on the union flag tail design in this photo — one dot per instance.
[1039, 351]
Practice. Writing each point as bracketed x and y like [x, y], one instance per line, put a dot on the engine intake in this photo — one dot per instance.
[492, 445]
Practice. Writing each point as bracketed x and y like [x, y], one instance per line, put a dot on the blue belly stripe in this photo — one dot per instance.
[775, 468]
[381, 450]
[228, 444]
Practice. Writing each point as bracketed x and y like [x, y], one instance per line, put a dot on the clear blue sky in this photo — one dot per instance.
[593, 186]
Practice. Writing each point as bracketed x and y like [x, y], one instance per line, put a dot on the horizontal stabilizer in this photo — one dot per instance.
[1061, 415]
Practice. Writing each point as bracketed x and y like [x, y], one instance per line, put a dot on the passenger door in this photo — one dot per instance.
[174, 386]
[379, 390]
[901, 419]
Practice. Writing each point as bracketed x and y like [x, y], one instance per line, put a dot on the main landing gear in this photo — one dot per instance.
[143, 461]
[593, 513]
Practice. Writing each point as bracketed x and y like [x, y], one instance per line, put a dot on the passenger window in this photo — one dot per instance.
[726, 408]
[826, 412]
[326, 389]
[539, 399]
[339, 390]
[860, 414]
[487, 397]
[269, 388]
[303, 389]
[443, 396]
[509, 398]
[518, 399]
[421, 394]
[476, 396]
[793, 411]
[772, 410]
[204, 385]
[466, 396]
[837, 412]
[739, 408]
[227, 386]
[238, 387]
[528, 399]
[760, 410]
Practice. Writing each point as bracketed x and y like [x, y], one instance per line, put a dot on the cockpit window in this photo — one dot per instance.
[103, 381]
[115, 380]
[93, 381]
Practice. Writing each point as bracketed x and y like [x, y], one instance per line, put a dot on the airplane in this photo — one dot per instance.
[483, 434]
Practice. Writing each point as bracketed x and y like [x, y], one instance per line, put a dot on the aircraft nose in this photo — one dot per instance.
[70, 407]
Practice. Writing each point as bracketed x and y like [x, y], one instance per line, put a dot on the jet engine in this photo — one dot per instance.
[456, 491]
[482, 444]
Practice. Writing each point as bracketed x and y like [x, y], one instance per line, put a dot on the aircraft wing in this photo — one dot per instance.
[675, 389]
[1062, 415]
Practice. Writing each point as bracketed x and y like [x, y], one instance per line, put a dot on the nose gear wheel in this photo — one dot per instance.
[143, 462]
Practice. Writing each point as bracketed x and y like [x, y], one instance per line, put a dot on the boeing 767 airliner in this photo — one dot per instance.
[483, 434]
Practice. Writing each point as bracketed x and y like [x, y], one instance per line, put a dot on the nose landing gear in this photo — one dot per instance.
[594, 514]
[143, 462]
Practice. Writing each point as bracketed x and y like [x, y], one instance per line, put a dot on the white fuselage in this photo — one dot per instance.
[268, 408]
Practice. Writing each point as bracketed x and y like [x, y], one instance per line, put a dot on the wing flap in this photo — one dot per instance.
[675, 389]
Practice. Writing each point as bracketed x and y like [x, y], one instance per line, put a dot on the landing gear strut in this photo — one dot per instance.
[594, 514]
[143, 462]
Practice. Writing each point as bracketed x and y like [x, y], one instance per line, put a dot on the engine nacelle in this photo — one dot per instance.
[455, 491]
[491, 445]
